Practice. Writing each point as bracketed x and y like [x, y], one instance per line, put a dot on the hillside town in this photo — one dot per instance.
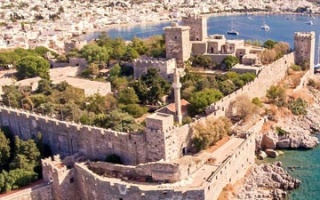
[184, 115]
[57, 24]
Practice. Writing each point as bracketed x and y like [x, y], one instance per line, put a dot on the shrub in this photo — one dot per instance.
[298, 106]
[281, 132]
[114, 158]
[256, 101]
[208, 132]
[135, 110]
[186, 120]
[296, 67]
[277, 95]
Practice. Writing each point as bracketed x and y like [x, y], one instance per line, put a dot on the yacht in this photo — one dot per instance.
[232, 31]
[309, 22]
[265, 27]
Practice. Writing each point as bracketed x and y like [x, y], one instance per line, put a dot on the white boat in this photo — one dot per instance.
[232, 31]
[309, 22]
[265, 27]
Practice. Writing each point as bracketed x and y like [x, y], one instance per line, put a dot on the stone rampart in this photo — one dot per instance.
[157, 171]
[67, 138]
[232, 169]
[229, 171]
[268, 76]
[38, 192]
[164, 66]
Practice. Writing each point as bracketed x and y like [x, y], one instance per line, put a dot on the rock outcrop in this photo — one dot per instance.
[266, 181]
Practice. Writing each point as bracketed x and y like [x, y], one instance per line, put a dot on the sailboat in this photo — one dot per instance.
[232, 31]
[265, 26]
[309, 22]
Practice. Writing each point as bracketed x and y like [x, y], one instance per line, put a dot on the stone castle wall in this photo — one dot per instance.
[66, 138]
[232, 169]
[158, 171]
[164, 66]
[93, 186]
[268, 76]
[42, 192]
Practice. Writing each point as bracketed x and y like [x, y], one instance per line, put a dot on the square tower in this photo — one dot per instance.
[177, 43]
[304, 48]
[198, 27]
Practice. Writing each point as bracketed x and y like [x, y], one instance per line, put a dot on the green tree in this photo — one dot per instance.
[115, 71]
[94, 53]
[31, 66]
[202, 61]
[128, 96]
[27, 155]
[269, 44]
[117, 120]
[230, 61]
[44, 87]
[96, 103]
[119, 48]
[138, 45]
[199, 101]
[4, 150]
[12, 96]
[227, 87]
[131, 54]
[135, 110]
[151, 87]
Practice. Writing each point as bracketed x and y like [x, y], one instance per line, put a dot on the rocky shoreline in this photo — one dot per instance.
[271, 181]
[267, 181]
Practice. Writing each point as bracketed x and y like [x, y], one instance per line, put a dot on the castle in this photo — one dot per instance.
[157, 163]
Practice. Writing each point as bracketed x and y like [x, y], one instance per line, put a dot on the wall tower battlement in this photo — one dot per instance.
[304, 49]
[198, 27]
[178, 45]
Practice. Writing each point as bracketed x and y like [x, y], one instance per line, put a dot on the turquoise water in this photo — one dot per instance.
[282, 28]
[304, 165]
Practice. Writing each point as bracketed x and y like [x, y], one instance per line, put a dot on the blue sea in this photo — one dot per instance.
[306, 164]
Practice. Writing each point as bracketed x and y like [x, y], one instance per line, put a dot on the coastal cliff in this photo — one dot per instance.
[266, 181]
[286, 131]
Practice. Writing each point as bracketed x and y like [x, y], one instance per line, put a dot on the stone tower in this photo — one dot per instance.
[158, 130]
[304, 48]
[198, 27]
[177, 97]
[177, 43]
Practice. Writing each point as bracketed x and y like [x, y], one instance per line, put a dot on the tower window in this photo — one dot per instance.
[175, 37]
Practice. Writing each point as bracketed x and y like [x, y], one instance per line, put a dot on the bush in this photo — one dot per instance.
[209, 132]
[114, 158]
[277, 95]
[298, 106]
[186, 120]
[296, 67]
[256, 101]
[281, 132]
[135, 110]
